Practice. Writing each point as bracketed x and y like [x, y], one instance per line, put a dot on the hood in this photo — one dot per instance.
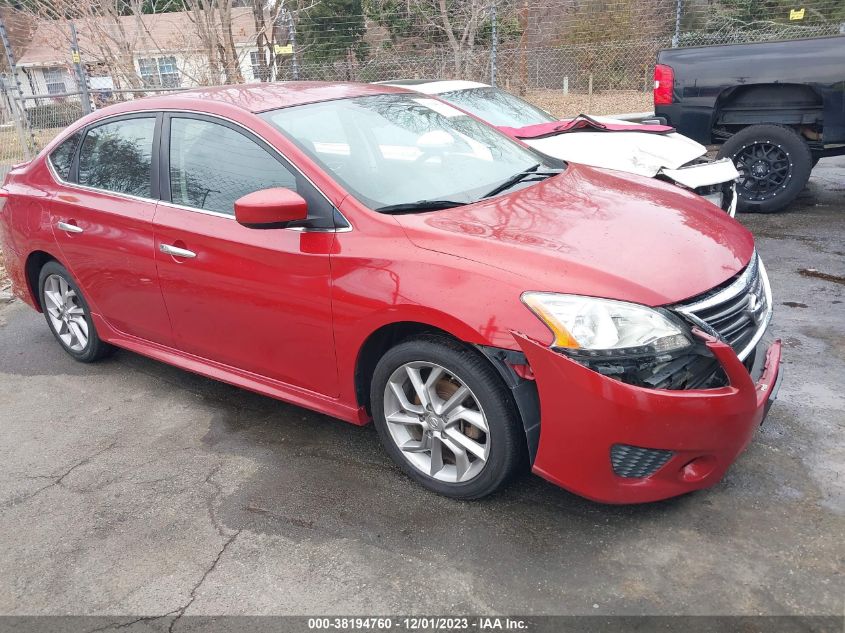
[597, 233]
[644, 154]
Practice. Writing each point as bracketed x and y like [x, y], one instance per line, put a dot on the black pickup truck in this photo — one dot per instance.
[776, 108]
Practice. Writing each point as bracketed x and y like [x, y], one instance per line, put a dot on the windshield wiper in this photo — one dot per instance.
[420, 205]
[519, 177]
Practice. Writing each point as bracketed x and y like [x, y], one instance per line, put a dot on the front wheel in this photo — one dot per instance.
[446, 418]
[774, 164]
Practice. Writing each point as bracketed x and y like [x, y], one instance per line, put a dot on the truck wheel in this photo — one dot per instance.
[774, 165]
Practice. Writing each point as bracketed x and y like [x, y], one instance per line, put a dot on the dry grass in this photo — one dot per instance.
[11, 151]
[573, 104]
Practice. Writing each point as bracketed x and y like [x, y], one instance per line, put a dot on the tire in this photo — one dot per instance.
[774, 164]
[487, 402]
[69, 318]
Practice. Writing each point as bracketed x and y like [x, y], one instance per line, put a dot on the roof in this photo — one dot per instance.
[255, 97]
[435, 87]
[157, 33]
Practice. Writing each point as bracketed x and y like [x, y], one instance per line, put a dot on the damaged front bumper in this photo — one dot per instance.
[618, 443]
[714, 181]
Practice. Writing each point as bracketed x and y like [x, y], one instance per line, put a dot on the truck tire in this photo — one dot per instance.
[774, 163]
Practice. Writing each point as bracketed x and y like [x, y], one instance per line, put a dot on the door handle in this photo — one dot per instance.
[168, 249]
[69, 228]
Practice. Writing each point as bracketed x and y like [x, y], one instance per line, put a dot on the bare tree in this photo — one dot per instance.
[460, 22]
[271, 21]
[212, 20]
[457, 22]
[105, 34]
[111, 32]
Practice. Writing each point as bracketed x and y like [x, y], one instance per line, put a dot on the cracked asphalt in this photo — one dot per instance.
[135, 490]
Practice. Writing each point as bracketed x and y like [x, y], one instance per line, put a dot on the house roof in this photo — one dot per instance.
[156, 33]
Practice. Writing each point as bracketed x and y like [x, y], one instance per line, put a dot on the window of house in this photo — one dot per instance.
[255, 60]
[118, 157]
[54, 78]
[200, 179]
[159, 72]
[61, 158]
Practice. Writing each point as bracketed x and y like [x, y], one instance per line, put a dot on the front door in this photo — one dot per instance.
[255, 299]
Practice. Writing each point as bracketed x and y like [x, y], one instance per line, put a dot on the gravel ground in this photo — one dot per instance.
[617, 101]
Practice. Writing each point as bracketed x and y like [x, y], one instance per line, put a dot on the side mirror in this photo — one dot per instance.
[275, 208]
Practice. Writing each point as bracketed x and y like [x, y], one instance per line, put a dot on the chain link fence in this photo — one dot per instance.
[568, 57]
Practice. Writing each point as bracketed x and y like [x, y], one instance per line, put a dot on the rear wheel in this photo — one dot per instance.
[68, 315]
[445, 417]
[774, 163]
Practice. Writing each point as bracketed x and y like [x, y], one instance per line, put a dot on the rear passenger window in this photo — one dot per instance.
[61, 158]
[212, 165]
[118, 157]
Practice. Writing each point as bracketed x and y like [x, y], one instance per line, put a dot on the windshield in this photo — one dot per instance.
[401, 150]
[497, 107]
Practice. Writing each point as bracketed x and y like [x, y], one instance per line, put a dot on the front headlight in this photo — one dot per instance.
[604, 325]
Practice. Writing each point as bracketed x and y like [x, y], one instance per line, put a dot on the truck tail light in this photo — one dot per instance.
[664, 82]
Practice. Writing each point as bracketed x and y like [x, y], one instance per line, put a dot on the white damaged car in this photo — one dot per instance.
[653, 151]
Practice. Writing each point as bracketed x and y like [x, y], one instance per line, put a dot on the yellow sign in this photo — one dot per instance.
[796, 14]
[283, 50]
[74, 55]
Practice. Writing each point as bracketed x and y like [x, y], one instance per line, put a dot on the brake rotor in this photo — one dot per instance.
[445, 389]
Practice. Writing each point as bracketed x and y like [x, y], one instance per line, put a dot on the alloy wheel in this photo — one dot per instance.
[765, 168]
[437, 422]
[66, 313]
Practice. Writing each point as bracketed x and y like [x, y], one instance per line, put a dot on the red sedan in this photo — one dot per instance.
[375, 254]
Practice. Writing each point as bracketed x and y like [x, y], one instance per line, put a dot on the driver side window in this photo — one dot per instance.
[212, 165]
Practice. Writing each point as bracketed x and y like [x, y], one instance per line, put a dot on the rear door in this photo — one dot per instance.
[254, 299]
[101, 213]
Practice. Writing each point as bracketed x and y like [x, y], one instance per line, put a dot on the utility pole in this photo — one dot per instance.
[679, 7]
[19, 112]
[81, 79]
[292, 36]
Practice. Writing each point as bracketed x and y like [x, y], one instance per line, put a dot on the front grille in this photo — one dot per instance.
[737, 312]
[633, 461]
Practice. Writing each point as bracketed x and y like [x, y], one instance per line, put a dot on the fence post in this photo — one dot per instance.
[679, 7]
[81, 79]
[292, 35]
[494, 39]
[19, 115]
[523, 43]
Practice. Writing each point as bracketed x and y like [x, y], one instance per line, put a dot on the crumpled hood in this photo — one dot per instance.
[594, 232]
[644, 154]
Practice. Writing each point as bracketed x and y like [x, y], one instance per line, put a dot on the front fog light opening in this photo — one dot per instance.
[635, 462]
